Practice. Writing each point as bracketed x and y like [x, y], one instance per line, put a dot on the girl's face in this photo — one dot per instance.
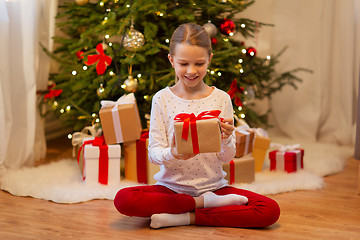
[190, 63]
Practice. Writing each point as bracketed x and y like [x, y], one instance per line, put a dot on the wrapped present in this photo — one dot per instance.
[261, 145]
[197, 134]
[138, 168]
[244, 142]
[120, 120]
[99, 162]
[288, 159]
[240, 170]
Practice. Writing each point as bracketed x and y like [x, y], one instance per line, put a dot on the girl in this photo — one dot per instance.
[190, 188]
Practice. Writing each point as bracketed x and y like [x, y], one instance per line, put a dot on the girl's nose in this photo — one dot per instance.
[191, 70]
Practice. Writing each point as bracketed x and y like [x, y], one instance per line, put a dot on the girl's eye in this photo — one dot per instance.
[183, 64]
[200, 64]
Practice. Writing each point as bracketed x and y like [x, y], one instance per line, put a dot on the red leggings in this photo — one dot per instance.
[144, 201]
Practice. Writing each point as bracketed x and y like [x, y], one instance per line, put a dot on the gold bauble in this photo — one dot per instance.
[211, 29]
[130, 84]
[100, 91]
[133, 40]
[81, 2]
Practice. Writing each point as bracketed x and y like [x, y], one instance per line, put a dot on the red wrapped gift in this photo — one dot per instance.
[197, 134]
[288, 161]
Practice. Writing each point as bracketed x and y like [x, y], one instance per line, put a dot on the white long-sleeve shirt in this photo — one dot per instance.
[201, 173]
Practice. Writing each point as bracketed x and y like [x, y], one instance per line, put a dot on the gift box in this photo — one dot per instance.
[98, 162]
[201, 134]
[240, 170]
[138, 168]
[120, 120]
[288, 161]
[244, 142]
[261, 145]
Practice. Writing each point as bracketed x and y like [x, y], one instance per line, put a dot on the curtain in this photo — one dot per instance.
[324, 36]
[24, 68]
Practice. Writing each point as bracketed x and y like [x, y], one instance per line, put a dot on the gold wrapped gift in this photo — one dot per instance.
[261, 145]
[244, 142]
[120, 121]
[240, 170]
[207, 137]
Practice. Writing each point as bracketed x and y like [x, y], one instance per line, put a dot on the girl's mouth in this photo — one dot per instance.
[191, 78]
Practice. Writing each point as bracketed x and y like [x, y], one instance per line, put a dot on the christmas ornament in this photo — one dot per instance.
[214, 41]
[100, 91]
[210, 29]
[130, 84]
[249, 92]
[101, 59]
[133, 40]
[234, 91]
[81, 2]
[227, 26]
[52, 92]
[78, 54]
[250, 51]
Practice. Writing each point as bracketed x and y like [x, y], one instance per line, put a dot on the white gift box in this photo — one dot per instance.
[91, 161]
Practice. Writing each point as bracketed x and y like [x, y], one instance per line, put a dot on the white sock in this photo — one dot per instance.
[213, 200]
[169, 220]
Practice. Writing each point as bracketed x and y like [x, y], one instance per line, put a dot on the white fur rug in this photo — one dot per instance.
[61, 181]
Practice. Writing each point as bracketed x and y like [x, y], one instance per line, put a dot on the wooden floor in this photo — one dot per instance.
[330, 213]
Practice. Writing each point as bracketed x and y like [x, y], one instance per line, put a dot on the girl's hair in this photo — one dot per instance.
[192, 34]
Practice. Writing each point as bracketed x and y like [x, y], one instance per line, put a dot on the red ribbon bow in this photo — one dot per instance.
[103, 158]
[102, 60]
[190, 122]
[233, 90]
[52, 92]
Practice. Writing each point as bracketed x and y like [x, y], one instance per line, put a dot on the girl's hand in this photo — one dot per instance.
[227, 127]
[179, 156]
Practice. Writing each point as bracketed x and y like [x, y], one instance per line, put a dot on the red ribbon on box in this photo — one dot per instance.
[190, 122]
[232, 172]
[103, 158]
[141, 160]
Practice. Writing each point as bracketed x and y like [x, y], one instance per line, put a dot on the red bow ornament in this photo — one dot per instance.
[102, 60]
[234, 89]
[52, 92]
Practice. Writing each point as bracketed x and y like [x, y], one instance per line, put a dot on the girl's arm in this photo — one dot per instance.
[159, 149]
[228, 149]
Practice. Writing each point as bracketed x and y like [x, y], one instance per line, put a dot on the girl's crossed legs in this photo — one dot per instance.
[147, 201]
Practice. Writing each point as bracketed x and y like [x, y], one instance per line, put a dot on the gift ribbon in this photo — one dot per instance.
[190, 123]
[232, 172]
[141, 159]
[103, 158]
[77, 137]
[244, 127]
[124, 99]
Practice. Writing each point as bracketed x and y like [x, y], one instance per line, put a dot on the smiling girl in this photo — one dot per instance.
[191, 188]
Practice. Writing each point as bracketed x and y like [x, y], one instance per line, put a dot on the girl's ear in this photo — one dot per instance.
[171, 60]
[211, 55]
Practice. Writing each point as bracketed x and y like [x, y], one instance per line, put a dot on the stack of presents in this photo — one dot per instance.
[101, 159]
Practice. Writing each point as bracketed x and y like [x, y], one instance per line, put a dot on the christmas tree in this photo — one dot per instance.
[113, 47]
